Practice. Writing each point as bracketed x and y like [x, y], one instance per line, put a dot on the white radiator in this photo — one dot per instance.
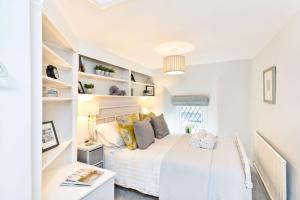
[271, 168]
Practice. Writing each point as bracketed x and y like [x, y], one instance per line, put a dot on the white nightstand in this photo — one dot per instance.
[91, 153]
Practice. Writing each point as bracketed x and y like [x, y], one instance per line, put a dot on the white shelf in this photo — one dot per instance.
[54, 58]
[53, 178]
[56, 99]
[55, 82]
[139, 83]
[95, 76]
[51, 155]
[105, 96]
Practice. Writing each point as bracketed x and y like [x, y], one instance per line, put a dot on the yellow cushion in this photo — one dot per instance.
[146, 116]
[126, 130]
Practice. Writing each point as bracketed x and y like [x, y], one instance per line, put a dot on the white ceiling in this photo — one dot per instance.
[220, 30]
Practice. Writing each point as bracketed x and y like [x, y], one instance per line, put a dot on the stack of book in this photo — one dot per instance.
[50, 92]
[82, 177]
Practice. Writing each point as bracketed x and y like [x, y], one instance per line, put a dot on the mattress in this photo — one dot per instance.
[139, 169]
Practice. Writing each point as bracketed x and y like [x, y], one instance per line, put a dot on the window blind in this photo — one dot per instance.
[197, 100]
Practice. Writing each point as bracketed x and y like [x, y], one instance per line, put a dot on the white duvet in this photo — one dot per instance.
[139, 169]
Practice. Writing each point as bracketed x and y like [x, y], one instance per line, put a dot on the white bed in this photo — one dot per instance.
[140, 169]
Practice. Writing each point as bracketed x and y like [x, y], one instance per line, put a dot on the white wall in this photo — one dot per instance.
[280, 123]
[15, 101]
[226, 84]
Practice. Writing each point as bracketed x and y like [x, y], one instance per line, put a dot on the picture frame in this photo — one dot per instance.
[80, 88]
[132, 78]
[269, 85]
[49, 136]
[151, 90]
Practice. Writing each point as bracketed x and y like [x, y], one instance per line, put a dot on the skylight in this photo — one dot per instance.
[104, 4]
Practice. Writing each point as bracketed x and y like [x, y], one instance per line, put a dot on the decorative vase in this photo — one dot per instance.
[98, 72]
[89, 90]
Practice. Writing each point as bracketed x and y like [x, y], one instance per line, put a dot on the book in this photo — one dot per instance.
[82, 177]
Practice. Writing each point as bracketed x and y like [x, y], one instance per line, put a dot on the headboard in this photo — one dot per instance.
[110, 113]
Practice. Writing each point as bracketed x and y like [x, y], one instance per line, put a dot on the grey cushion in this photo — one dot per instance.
[144, 134]
[160, 126]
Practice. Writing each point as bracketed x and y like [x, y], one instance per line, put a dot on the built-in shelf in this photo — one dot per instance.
[55, 83]
[139, 83]
[51, 155]
[104, 96]
[95, 76]
[56, 99]
[110, 96]
[54, 58]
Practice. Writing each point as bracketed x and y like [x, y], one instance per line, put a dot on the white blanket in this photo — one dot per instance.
[141, 169]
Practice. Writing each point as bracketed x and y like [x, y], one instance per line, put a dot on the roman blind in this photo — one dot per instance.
[197, 100]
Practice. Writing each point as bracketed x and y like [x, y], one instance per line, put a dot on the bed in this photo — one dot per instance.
[171, 169]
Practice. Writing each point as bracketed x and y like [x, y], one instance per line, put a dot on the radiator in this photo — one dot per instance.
[271, 168]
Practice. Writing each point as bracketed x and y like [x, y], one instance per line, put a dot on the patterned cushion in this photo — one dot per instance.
[126, 130]
[146, 116]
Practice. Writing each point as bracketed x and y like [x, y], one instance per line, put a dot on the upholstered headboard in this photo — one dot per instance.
[109, 114]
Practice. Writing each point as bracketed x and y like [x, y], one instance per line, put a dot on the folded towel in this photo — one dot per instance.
[203, 140]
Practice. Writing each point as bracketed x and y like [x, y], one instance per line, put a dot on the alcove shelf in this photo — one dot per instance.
[55, 83]
[139, 83]
[95, 76]
[49, 56]
[56, 99]
[51, 155]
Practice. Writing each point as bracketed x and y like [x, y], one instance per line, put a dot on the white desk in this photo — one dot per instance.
[103, 187]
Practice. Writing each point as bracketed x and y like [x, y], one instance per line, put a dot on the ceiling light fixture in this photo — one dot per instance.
[174, 65]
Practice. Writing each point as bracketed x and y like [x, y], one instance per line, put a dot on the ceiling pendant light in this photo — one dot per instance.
[174, 65]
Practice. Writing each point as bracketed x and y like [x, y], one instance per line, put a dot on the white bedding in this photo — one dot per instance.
[139, 169]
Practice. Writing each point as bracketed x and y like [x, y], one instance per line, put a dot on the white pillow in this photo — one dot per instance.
[108, 134]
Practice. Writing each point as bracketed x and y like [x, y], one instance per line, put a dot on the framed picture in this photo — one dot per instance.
[49, 137]
[150, 90]
[270, 85]
[80, 88]
[132, 78]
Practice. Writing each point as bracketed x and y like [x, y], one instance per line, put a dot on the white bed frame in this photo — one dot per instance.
[271, 168]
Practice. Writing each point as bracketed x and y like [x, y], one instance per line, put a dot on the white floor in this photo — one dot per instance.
[127, 194]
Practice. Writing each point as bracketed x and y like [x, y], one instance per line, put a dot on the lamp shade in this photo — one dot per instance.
[174, 64]
[86, 108]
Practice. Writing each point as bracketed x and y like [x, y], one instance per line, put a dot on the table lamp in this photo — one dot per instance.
[90, 109]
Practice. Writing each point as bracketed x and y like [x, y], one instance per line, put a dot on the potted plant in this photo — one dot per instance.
[98, 69]
[111, 71]
[105, 71]
[89, 88]
[145, 92]
[188, 129]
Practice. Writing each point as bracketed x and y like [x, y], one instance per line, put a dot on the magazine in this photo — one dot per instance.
[82, 177]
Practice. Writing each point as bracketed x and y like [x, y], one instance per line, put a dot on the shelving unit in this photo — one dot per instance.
[62, 110]
[121, 78]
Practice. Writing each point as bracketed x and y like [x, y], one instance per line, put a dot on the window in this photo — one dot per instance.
[193, 116]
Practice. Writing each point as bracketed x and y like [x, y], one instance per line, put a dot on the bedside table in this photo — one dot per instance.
[91, 153]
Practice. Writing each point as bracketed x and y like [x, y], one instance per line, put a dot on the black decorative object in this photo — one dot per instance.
[132, 78]
[150, 90]
[49, 136]
[81, 66]
[80, 88]
[52, 72]
[114, 90]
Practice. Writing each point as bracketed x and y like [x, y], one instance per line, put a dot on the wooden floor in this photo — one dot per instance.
[127, 194]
